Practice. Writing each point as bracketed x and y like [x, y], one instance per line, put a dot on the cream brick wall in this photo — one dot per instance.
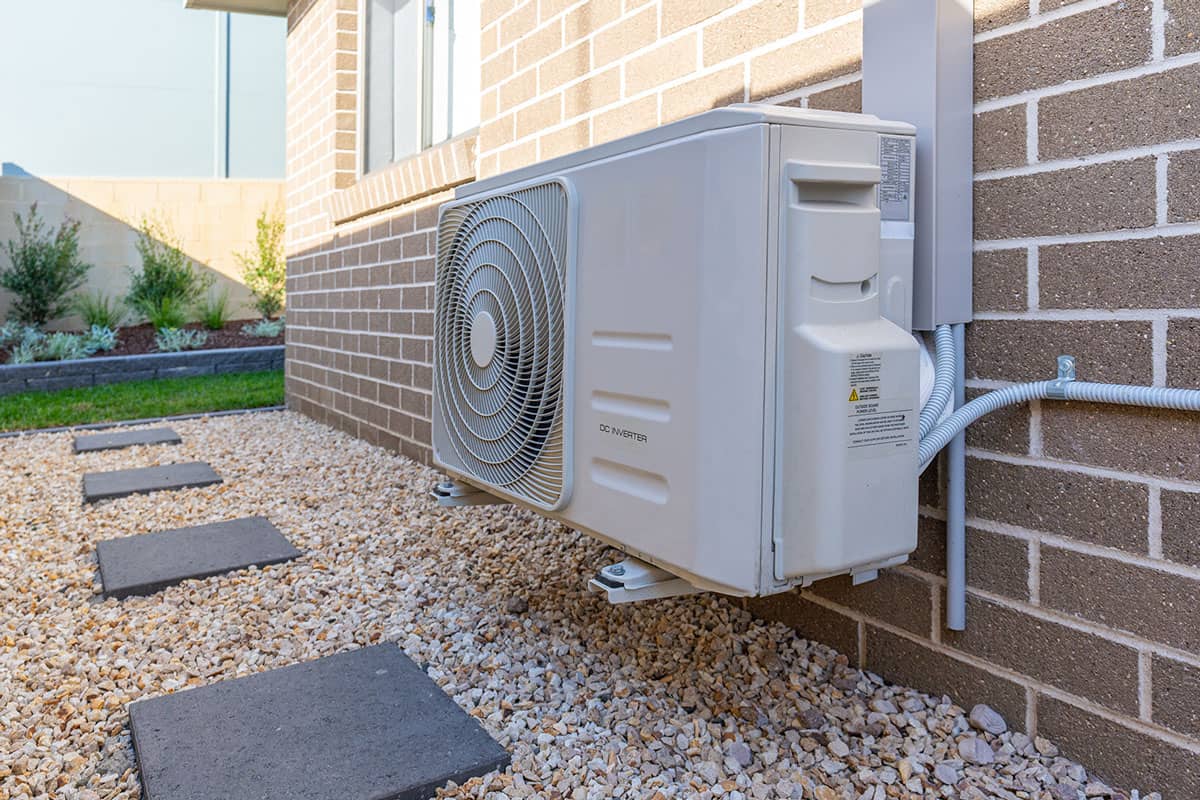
[559, 76]
[214, 219]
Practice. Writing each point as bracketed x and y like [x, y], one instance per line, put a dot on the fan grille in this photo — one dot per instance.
[500, 337]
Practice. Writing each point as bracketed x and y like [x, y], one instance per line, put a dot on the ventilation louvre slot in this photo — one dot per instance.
[502, 265]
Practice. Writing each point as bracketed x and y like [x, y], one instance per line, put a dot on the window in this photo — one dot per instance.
[422, 75]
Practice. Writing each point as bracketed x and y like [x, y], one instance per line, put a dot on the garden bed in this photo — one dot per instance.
[104, 369]
[139, 339]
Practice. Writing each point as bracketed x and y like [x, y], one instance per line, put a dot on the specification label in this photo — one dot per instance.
[895, 166]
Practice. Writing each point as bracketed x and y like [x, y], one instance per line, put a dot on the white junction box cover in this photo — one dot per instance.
[693, 344]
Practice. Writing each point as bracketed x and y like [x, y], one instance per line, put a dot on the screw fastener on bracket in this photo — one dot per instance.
[1066, 374]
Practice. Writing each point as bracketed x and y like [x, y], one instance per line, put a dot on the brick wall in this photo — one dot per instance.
[1084, 540]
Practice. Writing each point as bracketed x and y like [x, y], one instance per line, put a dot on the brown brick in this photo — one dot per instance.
[1110, 38]
[1000, 138]
[518, 89]
[840, 98]
[1002, 431]
[679, 14]
[1176, 690]
[1098, 510]
[1139, 273]
[598, 90]
[626, 119]
[995, 562]
[518, 23]
[565, 140]
[818, 58]
[590, 17]
[568, 65]
[1000, 279]
[1146, 602]
[1147, 441]
[1183, 176]
[1180, 522]
[894, 597]
[1072, 660]
[630, 34]
[995, 13]
[1119, 754]
[1114, 116]
[817, 12]
[754, 27]
[1183, 27]
[1096, 197]
[812, 621]
[908, 663]
[710, 91]
[929, 490]
[1023, 350]
[545, 113]
[664, 63]
[540, 44]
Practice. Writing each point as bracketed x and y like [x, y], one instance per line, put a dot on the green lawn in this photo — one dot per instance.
[140, 399]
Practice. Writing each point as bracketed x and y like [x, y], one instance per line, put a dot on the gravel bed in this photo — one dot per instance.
[689, 697]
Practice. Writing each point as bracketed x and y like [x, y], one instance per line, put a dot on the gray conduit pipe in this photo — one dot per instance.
[956, 495]
[952, 431]
[943, 379]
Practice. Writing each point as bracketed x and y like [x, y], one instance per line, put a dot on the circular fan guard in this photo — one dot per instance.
[502, 264]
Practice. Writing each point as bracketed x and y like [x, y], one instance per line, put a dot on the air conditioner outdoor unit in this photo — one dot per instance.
[693, 344]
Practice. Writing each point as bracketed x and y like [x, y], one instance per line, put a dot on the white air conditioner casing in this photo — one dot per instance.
[693, 344]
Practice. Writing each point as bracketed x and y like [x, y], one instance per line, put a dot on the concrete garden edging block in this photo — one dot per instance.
[50, 375]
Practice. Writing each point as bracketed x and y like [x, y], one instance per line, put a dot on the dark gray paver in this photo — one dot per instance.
[362, 725]
[141, 565]
[124, 482]
[116, 441]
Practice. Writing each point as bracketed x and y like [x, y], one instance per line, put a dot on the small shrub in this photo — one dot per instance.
[37, 346]
[173, 340]
[167, 274]
[166, 312]
[44, 268]
[214, 311]
[11, 332]
[99, 309]
[64, 347]
[24, 353]
[265, 268]
[100, 339]
[264, 328]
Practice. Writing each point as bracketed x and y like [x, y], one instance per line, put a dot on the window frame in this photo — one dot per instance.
[426, 89]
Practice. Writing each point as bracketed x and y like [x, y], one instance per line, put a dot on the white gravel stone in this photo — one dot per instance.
[682, 698]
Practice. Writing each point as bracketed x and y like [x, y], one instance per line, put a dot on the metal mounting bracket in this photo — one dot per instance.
[1066, 374]
[455, 493]
[632, 580]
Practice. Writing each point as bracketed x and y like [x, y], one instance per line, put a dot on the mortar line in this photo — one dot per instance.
[1145, 686]
[1119, 235]
[1076, 162]
[1031, 131]
[1037, 18]
[1158, 351]
[1154, 523]
[1066, 87]
[1161, 163]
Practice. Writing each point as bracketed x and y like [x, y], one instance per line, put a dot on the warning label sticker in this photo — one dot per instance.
[876, 425]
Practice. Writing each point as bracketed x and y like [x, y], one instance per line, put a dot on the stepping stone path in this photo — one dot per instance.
[364, 725]
[124, 482]
[122, 439]
[144, 564]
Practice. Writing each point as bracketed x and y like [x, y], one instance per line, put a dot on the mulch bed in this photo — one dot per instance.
[137, 340]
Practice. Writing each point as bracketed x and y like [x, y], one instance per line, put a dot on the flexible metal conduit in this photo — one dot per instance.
[943, 379]
[951, 431]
